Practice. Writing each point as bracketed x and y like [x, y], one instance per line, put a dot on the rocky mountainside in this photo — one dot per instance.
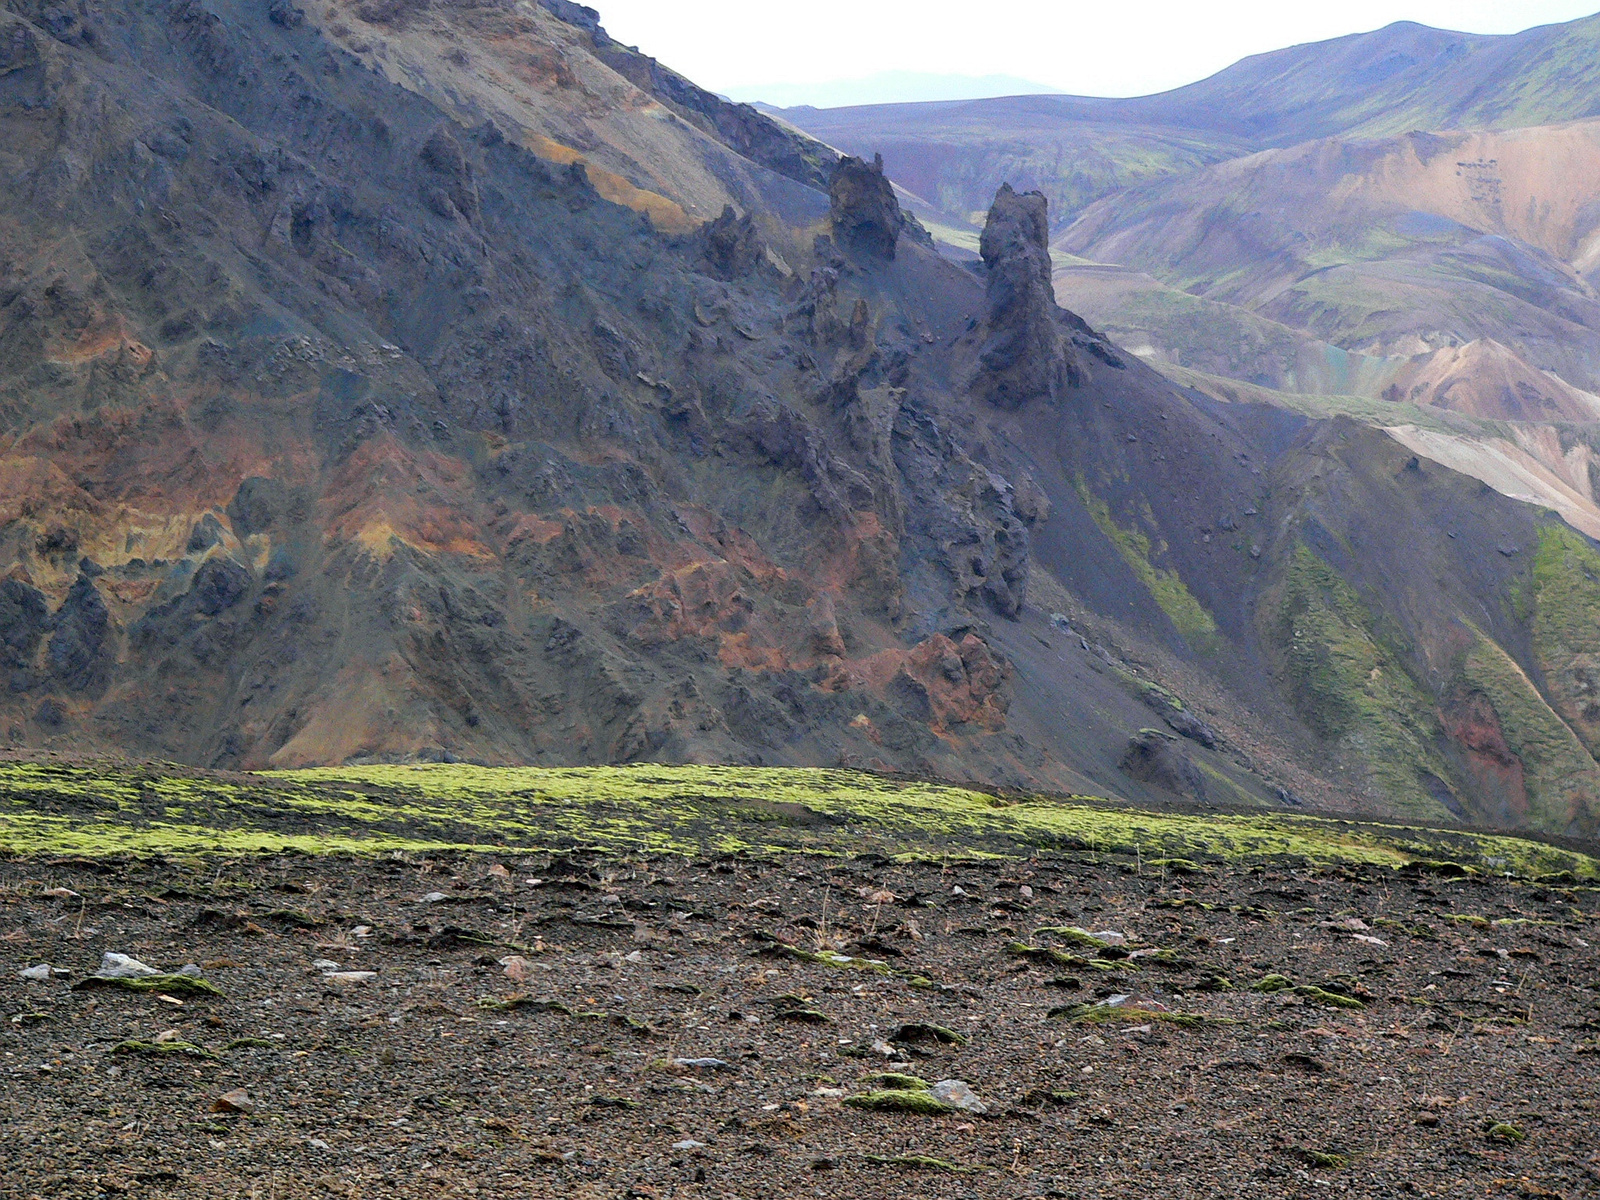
[386, 382]
[1285, 232]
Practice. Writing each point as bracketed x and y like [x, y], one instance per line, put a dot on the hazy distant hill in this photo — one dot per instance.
[1075, 149]
[887, 87]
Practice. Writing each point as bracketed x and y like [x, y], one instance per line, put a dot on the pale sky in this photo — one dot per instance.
[1089, 47]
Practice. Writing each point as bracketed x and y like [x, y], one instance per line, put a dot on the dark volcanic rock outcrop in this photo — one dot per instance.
[865, 214]
[732, 245]
[1025, 353]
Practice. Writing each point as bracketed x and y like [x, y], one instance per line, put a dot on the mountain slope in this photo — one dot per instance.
[1075, 148]
[341, 424]
[1398, 246]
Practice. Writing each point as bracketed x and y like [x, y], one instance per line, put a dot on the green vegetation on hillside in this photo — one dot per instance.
[1564, 597]
[1562, 781]
[1188, 616]
[50, 808]
[1350, 688]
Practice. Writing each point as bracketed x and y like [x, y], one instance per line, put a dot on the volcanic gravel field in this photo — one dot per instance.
[528, 1025]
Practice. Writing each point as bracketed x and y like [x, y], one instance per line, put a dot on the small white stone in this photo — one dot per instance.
[120, 966]
[40, 974]
[351, 977]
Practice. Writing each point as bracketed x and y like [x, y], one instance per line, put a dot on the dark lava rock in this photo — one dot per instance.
[1192, 727]
[24, 620]
[207, 532]
[452, 190]
[731, 247]
[1154, 756]
[258, 505]
[80, 652]
[866, 216]
[219, 584]
[1024, 355]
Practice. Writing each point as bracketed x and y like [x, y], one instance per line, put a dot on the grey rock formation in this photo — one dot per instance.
[1025, 354]
[862, 206]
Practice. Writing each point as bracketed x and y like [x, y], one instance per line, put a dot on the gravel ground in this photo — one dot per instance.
[1449, 1052]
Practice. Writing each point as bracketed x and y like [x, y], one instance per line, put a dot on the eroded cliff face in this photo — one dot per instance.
[342, 417]
[336, 428]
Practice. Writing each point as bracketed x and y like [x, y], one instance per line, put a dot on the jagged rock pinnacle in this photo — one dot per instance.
[1024, 356]
[866, 216]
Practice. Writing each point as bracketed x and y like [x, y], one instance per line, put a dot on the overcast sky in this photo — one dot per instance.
[1090, 47]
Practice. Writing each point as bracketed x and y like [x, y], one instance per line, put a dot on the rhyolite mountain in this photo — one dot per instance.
[386, 381]
[1075, 149]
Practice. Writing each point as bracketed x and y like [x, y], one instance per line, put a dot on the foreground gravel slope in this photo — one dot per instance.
[1446, 1006]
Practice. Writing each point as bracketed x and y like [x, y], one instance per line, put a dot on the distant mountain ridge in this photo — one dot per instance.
[1402, 77]
[888, 87]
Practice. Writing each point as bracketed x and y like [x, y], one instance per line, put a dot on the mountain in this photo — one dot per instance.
[954, 155]
[358, 410]
[1394, 249]
[887, 87]
[1333, 242]
[1076, 149]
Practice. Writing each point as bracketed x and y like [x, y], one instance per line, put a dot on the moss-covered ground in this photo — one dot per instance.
[90, 809]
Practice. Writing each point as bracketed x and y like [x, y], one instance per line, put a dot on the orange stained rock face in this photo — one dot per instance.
[385, 493]
[32, 486]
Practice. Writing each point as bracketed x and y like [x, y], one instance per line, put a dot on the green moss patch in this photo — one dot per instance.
[921, 1031]
[902, 1100]
[161, 1049]
[895, 1081]
[1561, 601]
[1275, 983]
[100, 810]
[1505, 1133]
[1559, 774]
[1351, 688]
[172, 985]
[1188, 616]
[1129, 1014]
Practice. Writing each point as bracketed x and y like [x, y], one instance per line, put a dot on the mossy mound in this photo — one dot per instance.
[922, 1031]
[903, 1100]
[1129, 1014]
[161, 1049]
[1275, 984]
[1070, 933]
[1505, 1133]
[172, 985]
[670, 809]
[918, 1162]
[895, 1081]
